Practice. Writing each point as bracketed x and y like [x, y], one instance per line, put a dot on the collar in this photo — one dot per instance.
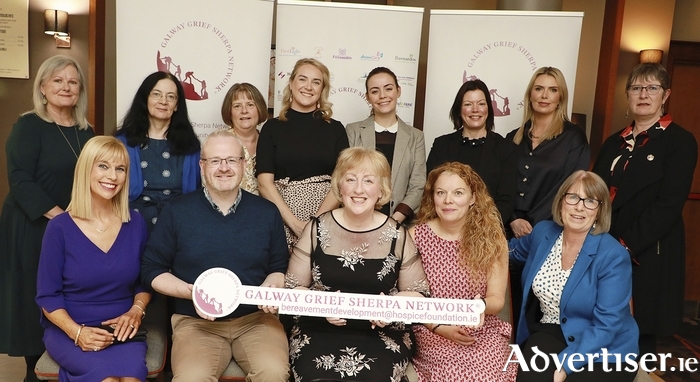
[655, 129]
[391, 129]
[216, 208]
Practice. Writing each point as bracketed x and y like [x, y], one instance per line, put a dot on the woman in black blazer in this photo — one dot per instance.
[648, 167]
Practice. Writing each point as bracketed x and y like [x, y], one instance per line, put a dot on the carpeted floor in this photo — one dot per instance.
[685, 344]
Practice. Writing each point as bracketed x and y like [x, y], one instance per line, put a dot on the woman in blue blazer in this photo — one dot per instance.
[577, 285]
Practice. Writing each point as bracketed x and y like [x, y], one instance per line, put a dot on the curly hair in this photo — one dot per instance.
[482, 241]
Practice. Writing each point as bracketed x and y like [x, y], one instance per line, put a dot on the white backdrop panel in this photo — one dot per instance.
[351, 40]
[209, 44]
[501, 48]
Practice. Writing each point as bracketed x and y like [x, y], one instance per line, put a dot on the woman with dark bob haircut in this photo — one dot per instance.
[163, 147]
[577, 285]
[475, 143]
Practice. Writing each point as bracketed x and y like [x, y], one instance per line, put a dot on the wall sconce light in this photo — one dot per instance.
[56, 24]
[651, 55]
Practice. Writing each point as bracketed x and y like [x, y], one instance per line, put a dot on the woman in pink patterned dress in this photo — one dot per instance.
[465, 256]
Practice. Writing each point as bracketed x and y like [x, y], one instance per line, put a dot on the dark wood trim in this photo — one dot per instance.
[682, 52]
[96, 70]
[607, 74]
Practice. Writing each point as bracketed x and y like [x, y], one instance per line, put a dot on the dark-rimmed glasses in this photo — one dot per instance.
[573, 199]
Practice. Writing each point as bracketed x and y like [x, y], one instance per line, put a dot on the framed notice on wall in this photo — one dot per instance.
[14, 41]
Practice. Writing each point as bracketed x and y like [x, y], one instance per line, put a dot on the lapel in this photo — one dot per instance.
[644, 168]
[583, 262]
[367, 132]
[401, 149]
[541, 252]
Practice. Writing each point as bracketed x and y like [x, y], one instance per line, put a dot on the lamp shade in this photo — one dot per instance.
[651, 55]
[55, 22]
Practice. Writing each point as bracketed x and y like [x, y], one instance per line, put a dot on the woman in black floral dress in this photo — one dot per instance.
[355, 249]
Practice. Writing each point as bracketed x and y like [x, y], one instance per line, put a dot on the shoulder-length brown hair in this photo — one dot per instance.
[249, 90]
[324, 105]
[561, 114]
[47, 69]
[594, 187]
[483, 241]
[99, 148]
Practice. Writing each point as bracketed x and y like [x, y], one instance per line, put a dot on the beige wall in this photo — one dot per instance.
[16, 94]
[686, 21]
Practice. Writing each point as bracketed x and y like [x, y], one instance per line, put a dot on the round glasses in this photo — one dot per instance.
[573, 199]
[170, 97]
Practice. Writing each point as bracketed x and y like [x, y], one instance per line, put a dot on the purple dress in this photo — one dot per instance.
[92, 286]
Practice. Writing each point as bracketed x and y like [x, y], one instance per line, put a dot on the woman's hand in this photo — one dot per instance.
[379, 323]
[520, 227]
[94, 339]
[559, 375]
[297, 227]
[337, 321]
[126, 325]
[456, 334]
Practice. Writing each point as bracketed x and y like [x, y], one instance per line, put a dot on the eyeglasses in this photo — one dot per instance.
[216, 162]
[156, 95]
[651, 89]
[573, 199]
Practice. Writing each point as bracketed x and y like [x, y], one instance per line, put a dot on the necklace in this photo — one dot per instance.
[102, 230]
[531, 135]
[69, 145]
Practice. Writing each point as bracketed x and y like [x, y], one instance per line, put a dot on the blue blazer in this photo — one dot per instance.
[594, 309]
[191, 174]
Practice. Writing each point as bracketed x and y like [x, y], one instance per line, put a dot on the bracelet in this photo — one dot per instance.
[484, 300]
[78, 334]
[144, 304]
[435, 327]
[143, 312]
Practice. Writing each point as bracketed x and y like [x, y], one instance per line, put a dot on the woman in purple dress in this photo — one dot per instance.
[89, 273]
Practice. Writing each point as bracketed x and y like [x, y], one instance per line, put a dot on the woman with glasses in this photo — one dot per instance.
[648, 168]
[243, 109]
[163, 147]
[577, 285]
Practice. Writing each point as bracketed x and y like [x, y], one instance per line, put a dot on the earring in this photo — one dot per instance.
[44, 101]
[662, 109]
[594, 223]
[627, 113]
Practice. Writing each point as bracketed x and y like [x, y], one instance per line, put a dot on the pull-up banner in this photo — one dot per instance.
[351, 40]
[501, 48]
[208, 45]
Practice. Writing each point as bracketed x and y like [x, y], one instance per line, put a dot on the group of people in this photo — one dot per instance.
[93, 226]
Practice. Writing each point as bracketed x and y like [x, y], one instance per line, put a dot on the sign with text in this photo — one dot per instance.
[218, 292]
[14, 39]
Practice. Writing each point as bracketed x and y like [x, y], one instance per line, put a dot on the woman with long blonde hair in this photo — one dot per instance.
[298, 149]
[465, 256]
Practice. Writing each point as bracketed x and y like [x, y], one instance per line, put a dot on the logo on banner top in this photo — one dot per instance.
[372, 57]
[178, 56]
[406, 80]
[318, 52]
[409, 58]
[481, 64]
[288, 51]
[342, 55]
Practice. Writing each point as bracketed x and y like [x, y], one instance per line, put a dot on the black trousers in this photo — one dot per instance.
[549, 339]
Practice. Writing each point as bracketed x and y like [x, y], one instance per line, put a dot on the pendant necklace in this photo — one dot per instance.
[69, 145]
[103, 229]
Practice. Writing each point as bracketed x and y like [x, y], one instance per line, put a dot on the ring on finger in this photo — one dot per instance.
[131, 326]
[95, 349]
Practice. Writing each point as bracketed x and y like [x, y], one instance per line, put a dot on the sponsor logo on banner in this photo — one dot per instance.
[318, 52]
[362, 79]
[342, 55]
[406, 80]
[408, 59]
[372, 57]
[288, 51]
[404, 105]
[192, 73]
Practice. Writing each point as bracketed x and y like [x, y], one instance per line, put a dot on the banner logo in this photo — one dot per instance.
[342, 55]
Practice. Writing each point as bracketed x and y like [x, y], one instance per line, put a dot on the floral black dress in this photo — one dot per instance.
[329, 257]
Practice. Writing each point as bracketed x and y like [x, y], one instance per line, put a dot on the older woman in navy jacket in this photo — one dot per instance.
[577, 285]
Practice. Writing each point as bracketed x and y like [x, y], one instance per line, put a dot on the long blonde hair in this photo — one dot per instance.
[47, 69]
[324, 106]
[560, 114]
[482, 241]
[98, 148]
